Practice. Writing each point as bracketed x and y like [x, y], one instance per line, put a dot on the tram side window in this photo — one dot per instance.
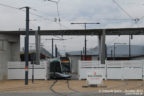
[58, 67]
[55, 67]
[51, 67]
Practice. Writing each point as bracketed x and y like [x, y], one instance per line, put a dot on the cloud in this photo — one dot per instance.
[104, 11]
[73, 11]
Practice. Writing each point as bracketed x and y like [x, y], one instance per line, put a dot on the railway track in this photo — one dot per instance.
[68, 85]
[62, 94]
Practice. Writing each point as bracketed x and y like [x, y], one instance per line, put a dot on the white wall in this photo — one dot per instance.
[20, 74]
[16, 70]
[94, 58]
[75, 60]
[128, 69]
[3, 66]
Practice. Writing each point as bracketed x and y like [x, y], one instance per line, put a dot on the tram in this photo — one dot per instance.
[60, 68]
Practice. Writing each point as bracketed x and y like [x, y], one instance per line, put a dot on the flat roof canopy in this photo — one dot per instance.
[112, 31]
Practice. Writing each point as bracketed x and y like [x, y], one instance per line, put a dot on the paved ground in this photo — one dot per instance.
[71, 88]
[68, 94]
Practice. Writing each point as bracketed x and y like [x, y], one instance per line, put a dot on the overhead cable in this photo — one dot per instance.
[122, 9]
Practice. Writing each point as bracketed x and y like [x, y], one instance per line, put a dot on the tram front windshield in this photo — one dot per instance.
[65, 63]
[55, 67]
[65, 67]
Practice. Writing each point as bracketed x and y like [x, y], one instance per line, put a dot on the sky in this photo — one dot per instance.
[109, 13]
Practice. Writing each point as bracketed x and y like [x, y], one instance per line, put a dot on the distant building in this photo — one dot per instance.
[75, 56]
[120, 52]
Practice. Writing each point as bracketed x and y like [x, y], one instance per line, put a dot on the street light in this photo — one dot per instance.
[85, 35]
[115, 47]
[56, 2]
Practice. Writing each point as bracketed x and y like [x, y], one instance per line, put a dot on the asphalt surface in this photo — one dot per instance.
[71, 88]
[68, 94]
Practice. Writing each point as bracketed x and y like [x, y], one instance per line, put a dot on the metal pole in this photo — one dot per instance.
[85, 44]
[105, 51]
[39, 46]
[129, 47]
[33, 73]
[114, 52]
[83, 50]
[81, 55]
[33, 58]
[85, 53]
[52, 47]
[103, 47]
[111, 53]
[27, 46]
[99, 47]
[55, 50]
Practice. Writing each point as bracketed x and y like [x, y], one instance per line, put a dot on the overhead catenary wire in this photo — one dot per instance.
[34, 14]
[8, 6]
[45, 19]
[59, 19]
[112, 41]
[58, 14]
[136, 20]
[4, 5]
[40, 16]
[122, 9]
[57, 8]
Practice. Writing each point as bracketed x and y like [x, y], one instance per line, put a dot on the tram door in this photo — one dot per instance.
[54, 68]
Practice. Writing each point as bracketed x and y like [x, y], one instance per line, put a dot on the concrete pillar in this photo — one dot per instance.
[99, 47]
[39, 47]
[9, 51]
[103, 47]
[37, 42]
[15, 49]
[3, 59]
